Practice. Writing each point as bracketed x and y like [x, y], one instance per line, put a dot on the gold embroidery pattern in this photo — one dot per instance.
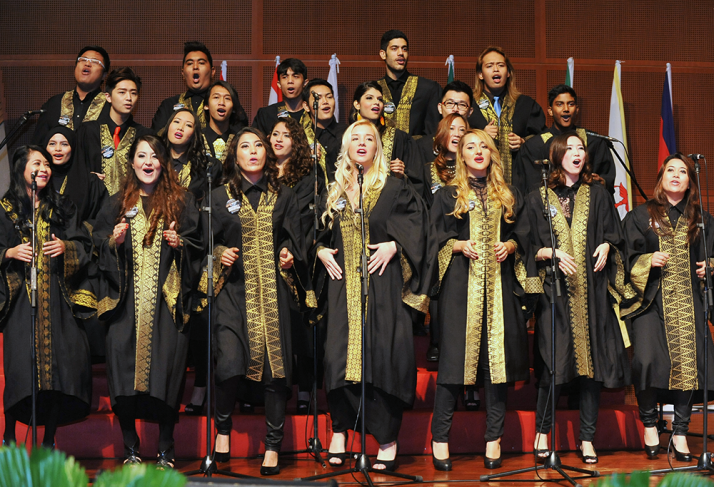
[573, 241]
[172, 289]
[678, 309]
[546, 136]
[419, 302]
[146, 283]
[220, 274]
[505, 127]
[388, 143]
[186, 102]
[640, 273]
[67, 108]
[446, 253]
[43, 335]
[531, 285]
[261, 293]
[583, 135]
[116, 167]
[401, 116]
[184, 175]
[211, 149]
[306, 123]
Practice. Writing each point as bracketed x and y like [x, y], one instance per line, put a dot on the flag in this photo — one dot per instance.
[623, 186]
[275, 94]
[224, 71]
[332, 79]
[569, 72]
[667, 142]
[450, 64]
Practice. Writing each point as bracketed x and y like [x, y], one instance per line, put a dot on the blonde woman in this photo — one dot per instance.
[398, 248]
[479, 227]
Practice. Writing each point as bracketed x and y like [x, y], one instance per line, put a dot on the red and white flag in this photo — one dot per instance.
[275, 94]
[224, 71]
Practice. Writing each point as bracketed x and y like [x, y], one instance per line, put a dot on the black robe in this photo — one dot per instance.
[598, 348]
[508, 360]
[231, 336]
[266, 117]
[652, 359]
[425, 146]
[64, 297]
[52, 115]
[405, 149]
[194, 102]
[527, 176]
[167, 343]
[397, 215]
[424, 114]
[330, 138]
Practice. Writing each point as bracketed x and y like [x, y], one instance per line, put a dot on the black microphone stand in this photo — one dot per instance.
[629, 171]
[552, 461]
[33, 309]
[23, 120]
[705, 459]
[208, 466]
[362, 464]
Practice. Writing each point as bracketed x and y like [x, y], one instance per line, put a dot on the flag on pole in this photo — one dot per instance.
[667, 142]
[623, 185]
[332, 79]
[570, 71]
[450, 64]
[275, 94]
[224, 71]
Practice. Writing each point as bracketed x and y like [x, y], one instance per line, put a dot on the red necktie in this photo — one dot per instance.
[116, 137]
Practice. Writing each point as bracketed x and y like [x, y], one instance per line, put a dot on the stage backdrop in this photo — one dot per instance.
[39, 40]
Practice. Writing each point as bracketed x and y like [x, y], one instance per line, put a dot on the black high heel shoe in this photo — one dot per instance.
[195, 409]
[390, 465]
[681, 457]
[492, 463]
[219, 456]
[587, 459]
[131, 455]
[443, 465]
[652, 451]
[270, 470]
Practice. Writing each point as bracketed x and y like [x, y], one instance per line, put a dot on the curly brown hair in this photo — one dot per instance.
[441, 141]
[299, 163]
[168, 197]
[231, 171]
[558, 148]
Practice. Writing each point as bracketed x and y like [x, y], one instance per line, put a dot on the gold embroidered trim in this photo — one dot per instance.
[401, 116]
[172, 289]
[306, 124]
[186, 102]
[419, 302]
[116, 167]
[583, 135]
[43, 336]
[446, 253]
[678, 309]
[67, 108]
[146, 283]
[210, 149]
[531, 285]
[546, 136]
[640, 272]
[220, 274]
[184, 175]
[388, 143]
[505, 127]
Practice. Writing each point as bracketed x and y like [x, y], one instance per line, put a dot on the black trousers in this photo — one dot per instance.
[48, 407]
[276, 396]
[589, 405]
[383, 412]
[434, 328]
[129, 408]
[647, 400]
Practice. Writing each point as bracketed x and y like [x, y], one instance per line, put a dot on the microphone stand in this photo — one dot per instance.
[23, 120]
[33, 309]
[552, 461]
[705, 459]
[629, 171]
[362, 464]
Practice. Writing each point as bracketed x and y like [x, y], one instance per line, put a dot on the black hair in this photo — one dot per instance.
[192, 46]
[232, 174]
[295, 64]
[391, 35]
[459, 87]
[101, 51]
[315, 82]
[361, 89]
[195, 152]
[238, 116]
[122, 74]
[558, 90]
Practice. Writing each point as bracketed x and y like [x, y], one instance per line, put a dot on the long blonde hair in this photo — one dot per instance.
[345, 178]
[495, 184]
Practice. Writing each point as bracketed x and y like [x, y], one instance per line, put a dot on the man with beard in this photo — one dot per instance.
[292, 78]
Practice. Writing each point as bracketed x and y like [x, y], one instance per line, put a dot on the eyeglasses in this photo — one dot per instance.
[451, 104]
[89, 60]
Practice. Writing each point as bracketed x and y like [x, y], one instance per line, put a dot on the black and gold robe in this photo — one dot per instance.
[68, 110]
[416, 101]
[398, 144]
[396, 213]
[590, 339]
[481, 294]
[668, 321]
[144, 297]
[64, 297]
[252, 296]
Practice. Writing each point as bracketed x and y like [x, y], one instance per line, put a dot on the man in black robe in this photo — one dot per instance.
[563, 107]
[103, 144]
[292, 78]
[71, 108]
[223, 119]
[457, 97]
[329, 131]
[409, 101]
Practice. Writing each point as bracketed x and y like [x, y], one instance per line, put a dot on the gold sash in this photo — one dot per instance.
[185, 100]
[401, 116]
[67, 109]
[388, 143]
[116, 167]
[184, 175]
[505, 127]
[306, 124]
[209, 149]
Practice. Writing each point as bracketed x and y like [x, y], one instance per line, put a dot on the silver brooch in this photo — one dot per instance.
[233, 206]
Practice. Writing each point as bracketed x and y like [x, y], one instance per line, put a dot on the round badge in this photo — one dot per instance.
[483, 104]
[390, 108]
[283, 114]
[63, 120]
[233, 205]
[472, 205]
[340, 204]
[107, 152]
[435, 187]
[553, 211]
[132, 212]
[179, 106]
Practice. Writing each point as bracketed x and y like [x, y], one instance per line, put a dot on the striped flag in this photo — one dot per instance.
[569, 72]
[667, 142]
[275, 94]
[224, 71]
[450, 64]
[332, 79]
[623, 185]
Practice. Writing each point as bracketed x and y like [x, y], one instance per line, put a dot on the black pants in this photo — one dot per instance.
[589, 405]
[276, 396]
[129, 408]
[647, 400]
[434, 328]
[383, 412]
[48, 407]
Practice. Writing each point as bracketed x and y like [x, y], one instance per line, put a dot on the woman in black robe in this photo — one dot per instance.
[480, 224]
[149, 243]
[64, 250]
[400, 149]
[260, 265]
[666, 264]
[400, 252]
[296, 171]
[590, 339]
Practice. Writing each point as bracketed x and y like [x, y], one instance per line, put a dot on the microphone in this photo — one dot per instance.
[315, 95]
[34, 175]
[541, 162]
[360, 167]
[695, 157]
[34, 112]
[595, 134]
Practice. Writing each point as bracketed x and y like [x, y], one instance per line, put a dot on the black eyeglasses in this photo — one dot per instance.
[451, 104]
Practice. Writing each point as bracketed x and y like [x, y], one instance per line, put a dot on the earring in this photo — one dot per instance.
[359, 117]
[381, 120]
